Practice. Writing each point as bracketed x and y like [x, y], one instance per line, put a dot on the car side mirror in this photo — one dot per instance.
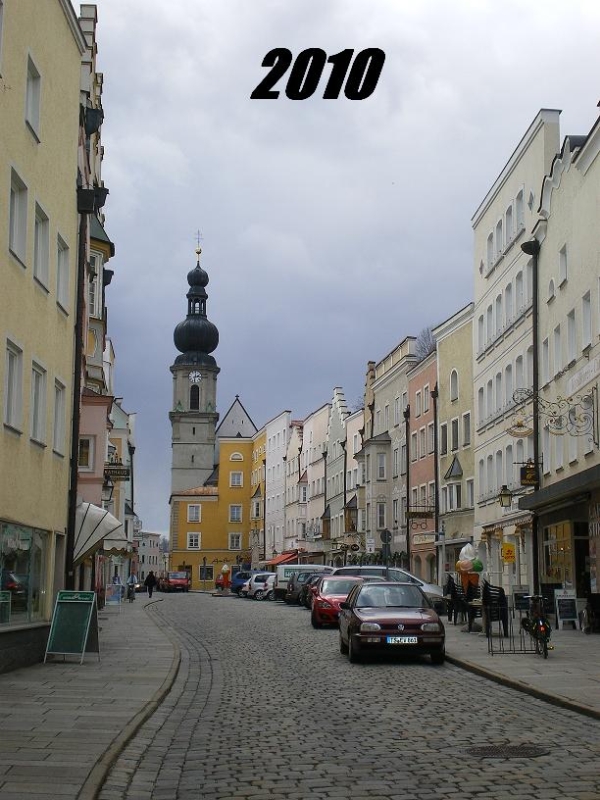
[345, 605]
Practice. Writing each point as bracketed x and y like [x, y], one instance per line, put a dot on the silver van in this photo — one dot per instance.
[433, 592]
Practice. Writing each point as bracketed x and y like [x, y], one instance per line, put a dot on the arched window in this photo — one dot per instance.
[236, 457]
[194, 398]
[454, 385]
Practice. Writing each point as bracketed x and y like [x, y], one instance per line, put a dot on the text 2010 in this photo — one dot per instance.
[358, 77]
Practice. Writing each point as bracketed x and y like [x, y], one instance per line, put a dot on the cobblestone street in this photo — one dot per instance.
[250, 672]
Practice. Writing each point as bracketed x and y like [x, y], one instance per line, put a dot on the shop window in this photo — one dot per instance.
[23, 559]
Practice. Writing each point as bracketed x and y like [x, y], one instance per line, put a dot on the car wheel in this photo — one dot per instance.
[259, 594]
[315, 622]
[271, 595]
[343, 646]
[438, 657]
[353, 654]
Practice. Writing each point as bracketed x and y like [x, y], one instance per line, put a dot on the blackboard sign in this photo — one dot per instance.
[74, 628]
[566, 606]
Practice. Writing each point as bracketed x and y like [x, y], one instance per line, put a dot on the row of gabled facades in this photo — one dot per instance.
[67, 515]
[504, 401]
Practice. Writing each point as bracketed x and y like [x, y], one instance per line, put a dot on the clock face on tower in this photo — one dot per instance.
[195, 376]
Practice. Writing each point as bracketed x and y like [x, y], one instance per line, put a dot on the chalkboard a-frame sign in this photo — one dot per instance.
[74, 628]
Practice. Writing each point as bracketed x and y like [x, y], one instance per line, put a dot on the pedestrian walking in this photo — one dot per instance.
[150, 582]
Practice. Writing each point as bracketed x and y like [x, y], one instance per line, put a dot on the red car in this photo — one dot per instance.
[390, 618]
[327, 595]
[175, 582]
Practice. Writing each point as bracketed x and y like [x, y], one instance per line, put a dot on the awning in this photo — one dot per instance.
[95, 528]
[284, 558]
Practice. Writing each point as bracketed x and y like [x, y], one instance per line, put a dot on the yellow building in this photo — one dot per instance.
[210, 525]
[41, 47]
[257, 503]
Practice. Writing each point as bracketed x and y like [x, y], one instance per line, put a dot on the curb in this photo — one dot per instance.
[525, 688]
[97, 776]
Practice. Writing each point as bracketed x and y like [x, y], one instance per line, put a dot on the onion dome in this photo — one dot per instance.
[196, 337]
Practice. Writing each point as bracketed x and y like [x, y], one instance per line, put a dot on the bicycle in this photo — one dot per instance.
[537, 625]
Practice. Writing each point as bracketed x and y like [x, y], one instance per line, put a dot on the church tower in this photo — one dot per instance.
[194, 416]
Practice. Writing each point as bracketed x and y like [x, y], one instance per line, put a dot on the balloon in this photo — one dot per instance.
[477, 565]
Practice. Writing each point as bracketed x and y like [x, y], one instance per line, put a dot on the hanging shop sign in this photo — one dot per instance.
[509, 553]
[116, 472]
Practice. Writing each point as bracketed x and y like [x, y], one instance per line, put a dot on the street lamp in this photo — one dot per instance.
[505, 497]
[107, 489]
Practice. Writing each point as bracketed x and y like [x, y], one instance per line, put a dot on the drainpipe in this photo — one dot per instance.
[407, 437]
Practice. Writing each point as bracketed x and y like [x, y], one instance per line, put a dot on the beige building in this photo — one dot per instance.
[456, 480]
[41, 47]
[567, 503]
[503, 358]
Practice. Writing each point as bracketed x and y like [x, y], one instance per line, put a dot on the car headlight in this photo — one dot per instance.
[431, 627]
[367, 627]
[323, 604]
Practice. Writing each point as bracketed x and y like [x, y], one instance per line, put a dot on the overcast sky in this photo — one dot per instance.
[331, 229]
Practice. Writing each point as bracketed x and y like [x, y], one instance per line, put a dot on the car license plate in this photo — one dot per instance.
[402, 640]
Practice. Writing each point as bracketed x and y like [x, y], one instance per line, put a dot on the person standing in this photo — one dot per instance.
[131, 584]
[150, 583]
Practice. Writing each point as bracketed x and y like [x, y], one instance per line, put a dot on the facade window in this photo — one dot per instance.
[563, 271]
[386, 417]
[235, 513]
[62, 274]
[453, 385]
[586, 321]
[236, 479]
[86, 453]
[17, 232]
[414, 497]
[422, 443]
[256, 508]
[380, 466]
[25, 551]
[193, 541]
[194, 398]
[558, 365]
[194, 512]
[519, 372]
[480, 405]
[489, 250]
[499, 239]
[430, 437]
[466, 429]
[395, 461]
[508, 217]
[38, 403]
[41, 246]
[454, 434]
[571, 337]
[508, 385]
[489, 323]
[32, 99]
[395, 517]
[13, 386]
[454, 496]
[404, 402]
[443, 439]
[403, 459]
[235, 541]
[93, 297]
[498, 316]
[418, 404]
[444, 500]
[380, 516]
[508, 304]
[520, 210]
[396, 411]
[480, 333]
[545, 361]
[519, 293]
[58, 430]
[470, 492]
[426, 395]
[414, 453]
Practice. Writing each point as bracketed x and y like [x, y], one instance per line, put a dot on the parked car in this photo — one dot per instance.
[294, 584]
[390, 617]
[305, 594]
[239, 578]
[175, 582]
[243, 592]
[261, 585]
[434, 592]
[17, 586]
[328, 593]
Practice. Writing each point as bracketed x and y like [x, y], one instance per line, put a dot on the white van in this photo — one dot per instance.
[285, 571]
